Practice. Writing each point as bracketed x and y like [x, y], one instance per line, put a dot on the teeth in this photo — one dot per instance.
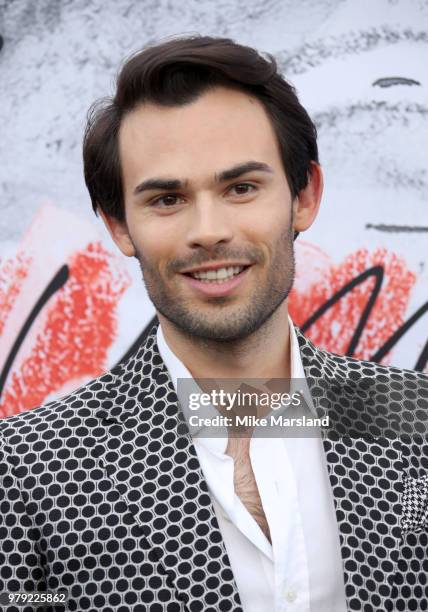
[221, 274]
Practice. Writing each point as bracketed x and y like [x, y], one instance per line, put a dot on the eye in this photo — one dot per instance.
[242, 189]
[166, 201]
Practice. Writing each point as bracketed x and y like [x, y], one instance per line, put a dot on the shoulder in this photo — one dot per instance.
[324, 362]
[76, 416]
[357, 368]
[68, 416]
[74, 419]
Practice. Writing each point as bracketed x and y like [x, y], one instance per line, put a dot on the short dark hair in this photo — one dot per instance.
[175, 73]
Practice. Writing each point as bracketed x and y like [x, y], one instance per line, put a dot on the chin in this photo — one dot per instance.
[209, 329]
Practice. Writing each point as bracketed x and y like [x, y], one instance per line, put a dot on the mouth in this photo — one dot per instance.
[218, 275]
[219, 281]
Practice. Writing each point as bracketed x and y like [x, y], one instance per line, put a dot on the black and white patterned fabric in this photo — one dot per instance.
[415, 504]
[102, 493]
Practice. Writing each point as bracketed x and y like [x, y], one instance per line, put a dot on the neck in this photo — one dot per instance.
[264, 354]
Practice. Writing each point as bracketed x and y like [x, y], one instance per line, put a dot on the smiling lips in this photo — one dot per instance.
[218, 275]
[217, 281]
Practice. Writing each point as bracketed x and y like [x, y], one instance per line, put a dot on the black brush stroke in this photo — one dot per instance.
[382, 227]
[55, 284]
[378, 273]
[399, 333]
[422, 361]
[392, 81]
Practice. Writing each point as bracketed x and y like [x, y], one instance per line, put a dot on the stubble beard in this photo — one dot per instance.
[221, 319]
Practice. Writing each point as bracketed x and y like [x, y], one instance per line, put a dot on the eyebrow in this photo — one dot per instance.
[170, 184]
[240, 169]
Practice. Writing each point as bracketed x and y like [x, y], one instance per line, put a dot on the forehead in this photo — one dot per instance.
[219, 129]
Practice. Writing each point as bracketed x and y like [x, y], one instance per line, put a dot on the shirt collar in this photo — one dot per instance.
[178, 370]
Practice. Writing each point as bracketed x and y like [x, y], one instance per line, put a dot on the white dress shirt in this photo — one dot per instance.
[302, 569]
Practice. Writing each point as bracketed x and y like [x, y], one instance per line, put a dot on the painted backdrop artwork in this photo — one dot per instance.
[71, 306]
[58, 311]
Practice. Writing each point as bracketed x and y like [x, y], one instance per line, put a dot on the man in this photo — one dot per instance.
[204, 167]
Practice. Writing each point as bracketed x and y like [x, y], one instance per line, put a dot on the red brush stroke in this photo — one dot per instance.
[13, 272]
[77, 330]
[334, 329]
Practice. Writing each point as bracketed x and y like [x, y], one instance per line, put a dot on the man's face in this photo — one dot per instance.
[206, 196]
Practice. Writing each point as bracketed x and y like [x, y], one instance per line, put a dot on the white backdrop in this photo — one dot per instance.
[360, 67]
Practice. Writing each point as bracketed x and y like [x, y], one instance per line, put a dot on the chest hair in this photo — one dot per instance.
[245, 483]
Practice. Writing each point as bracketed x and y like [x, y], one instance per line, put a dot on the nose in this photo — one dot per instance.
[209, 224]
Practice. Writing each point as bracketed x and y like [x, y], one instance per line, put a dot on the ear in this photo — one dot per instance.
[307, 202]
[118, 230]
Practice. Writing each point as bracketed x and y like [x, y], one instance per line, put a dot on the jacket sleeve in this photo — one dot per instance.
[20, 559]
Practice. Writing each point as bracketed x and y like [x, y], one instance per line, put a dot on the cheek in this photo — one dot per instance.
[152, 239]
[268, 226]
[152, 249]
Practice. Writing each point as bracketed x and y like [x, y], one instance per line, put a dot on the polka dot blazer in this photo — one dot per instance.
[102, 494]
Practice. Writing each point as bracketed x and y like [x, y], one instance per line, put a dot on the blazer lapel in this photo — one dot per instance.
[364, 471]
[148, 454]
